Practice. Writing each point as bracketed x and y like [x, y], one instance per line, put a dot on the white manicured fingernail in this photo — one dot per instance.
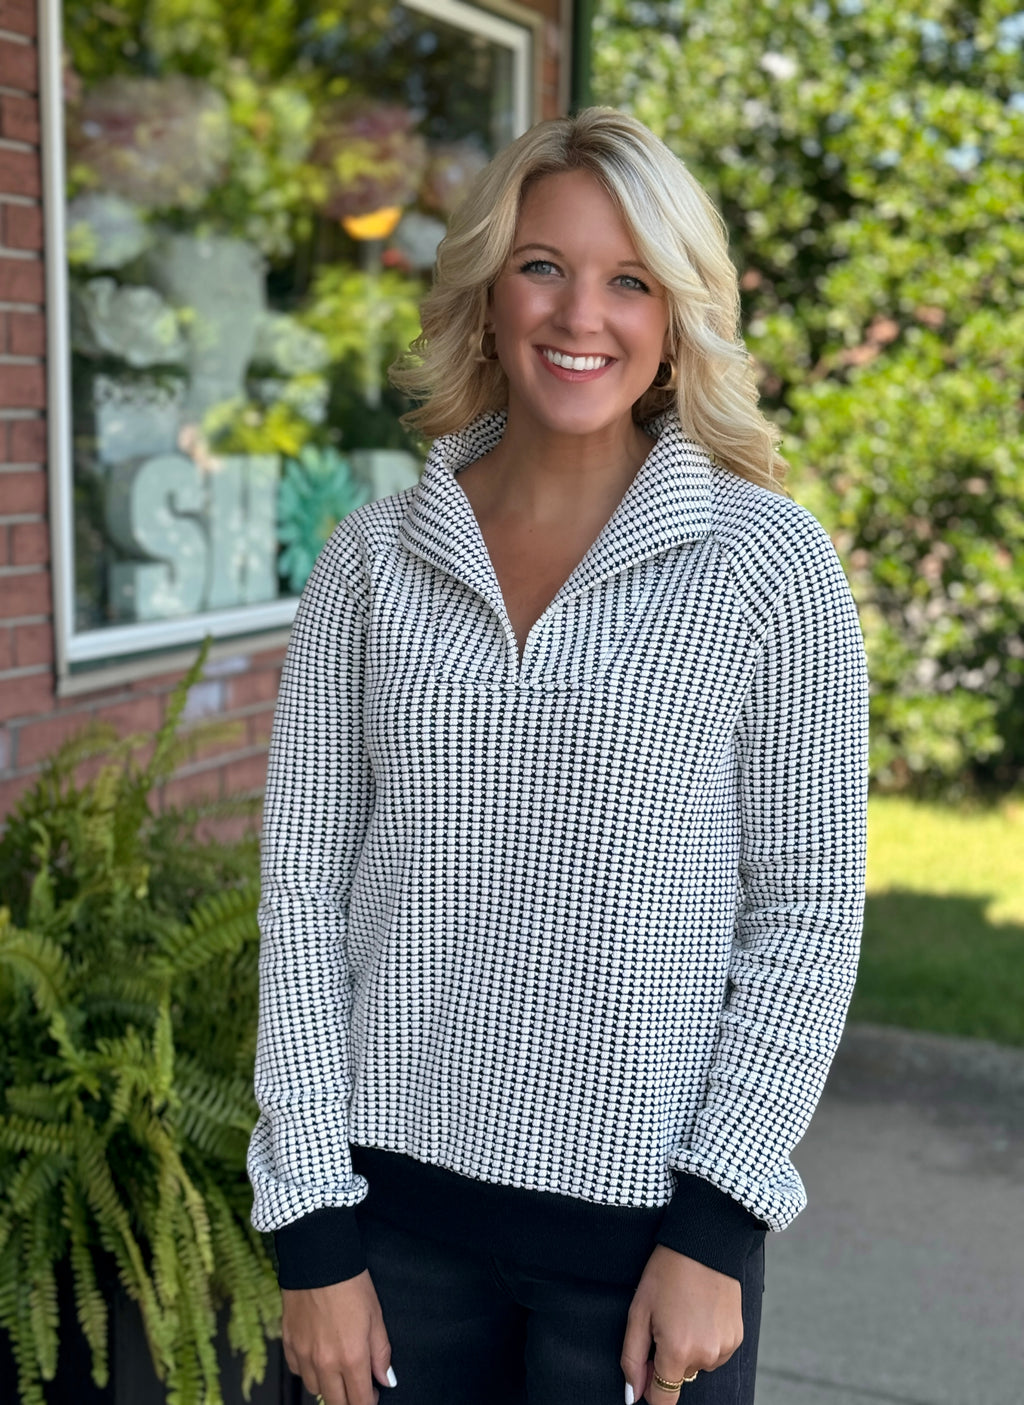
[629, 1394]
[392, 1378]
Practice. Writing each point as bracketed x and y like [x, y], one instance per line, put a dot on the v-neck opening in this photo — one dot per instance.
[560, 589]
[563, 588]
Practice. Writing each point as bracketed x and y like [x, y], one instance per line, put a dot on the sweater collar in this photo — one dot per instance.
[668, 503]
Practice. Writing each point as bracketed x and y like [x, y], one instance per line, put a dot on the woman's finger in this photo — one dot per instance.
[667, 1380]
[380, 1353]
[636, 1349]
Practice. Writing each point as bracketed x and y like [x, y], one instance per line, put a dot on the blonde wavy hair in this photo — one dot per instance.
[680, 237]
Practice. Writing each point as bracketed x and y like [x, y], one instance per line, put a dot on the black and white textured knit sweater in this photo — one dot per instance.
[561, 941]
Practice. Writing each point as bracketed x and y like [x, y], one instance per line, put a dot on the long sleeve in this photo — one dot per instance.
[802, 786]
[318, 801]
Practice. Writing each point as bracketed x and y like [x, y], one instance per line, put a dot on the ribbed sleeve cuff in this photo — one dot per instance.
[320, 1249]
[705, 1224]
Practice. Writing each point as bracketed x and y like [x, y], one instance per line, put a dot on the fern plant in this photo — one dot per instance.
[128, 950]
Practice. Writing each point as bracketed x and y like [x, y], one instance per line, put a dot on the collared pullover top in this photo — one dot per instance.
[575, 931]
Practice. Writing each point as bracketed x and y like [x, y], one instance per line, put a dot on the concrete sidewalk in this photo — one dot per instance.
[903, 1282]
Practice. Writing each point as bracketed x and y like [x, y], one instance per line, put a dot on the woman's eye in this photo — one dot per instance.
[629, 280]
[538, 266]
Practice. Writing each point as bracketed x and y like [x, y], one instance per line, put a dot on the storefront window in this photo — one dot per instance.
[254, 198]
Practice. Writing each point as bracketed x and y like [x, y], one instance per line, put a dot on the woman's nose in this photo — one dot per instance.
[580, 307]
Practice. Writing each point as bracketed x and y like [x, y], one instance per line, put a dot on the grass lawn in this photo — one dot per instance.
[944, 929]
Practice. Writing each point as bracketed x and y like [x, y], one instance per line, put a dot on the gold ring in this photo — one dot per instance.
[663, 1384]
[688, 1380]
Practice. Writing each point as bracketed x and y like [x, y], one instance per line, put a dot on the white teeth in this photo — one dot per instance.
[575, 363]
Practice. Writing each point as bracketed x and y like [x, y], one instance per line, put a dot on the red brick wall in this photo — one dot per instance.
[33, 720]
[554, 57]
[26, 633]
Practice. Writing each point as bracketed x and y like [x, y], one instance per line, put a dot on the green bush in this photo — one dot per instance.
[128, 988]
[869, 159]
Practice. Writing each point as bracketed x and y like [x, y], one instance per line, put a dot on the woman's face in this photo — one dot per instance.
[579, 322]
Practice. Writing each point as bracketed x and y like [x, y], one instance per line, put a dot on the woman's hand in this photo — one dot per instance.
[335, 1339]
[692, 1313]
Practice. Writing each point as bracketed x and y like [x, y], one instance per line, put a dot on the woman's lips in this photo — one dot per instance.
[566, 366]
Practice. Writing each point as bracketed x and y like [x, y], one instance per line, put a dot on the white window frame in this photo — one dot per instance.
[77, 651]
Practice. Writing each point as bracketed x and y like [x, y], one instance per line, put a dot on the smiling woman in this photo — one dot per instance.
[564, 833]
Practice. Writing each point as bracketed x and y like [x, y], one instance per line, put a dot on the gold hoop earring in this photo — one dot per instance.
[483, 354]
[666, 378]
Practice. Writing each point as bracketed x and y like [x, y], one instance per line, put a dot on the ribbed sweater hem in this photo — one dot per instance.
[557, 1233]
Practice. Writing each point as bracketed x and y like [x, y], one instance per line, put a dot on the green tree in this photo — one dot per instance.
[869, 161]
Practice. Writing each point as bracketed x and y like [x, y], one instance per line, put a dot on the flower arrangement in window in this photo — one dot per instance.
[224, 158]
[316, 491]
[370, 161]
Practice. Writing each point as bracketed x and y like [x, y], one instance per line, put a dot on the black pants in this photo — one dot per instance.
[467, 1329]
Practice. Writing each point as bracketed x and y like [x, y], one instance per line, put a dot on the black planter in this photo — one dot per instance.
[132, 1378]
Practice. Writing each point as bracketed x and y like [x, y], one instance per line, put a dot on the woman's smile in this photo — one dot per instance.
[567, 366]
